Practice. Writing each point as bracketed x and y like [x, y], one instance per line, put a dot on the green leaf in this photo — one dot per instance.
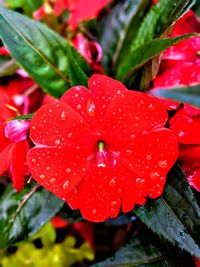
[16, 223]
[161, 17]
[143, 54]
[118, 29]
[143, 250]
[23, 117]
[189, 94]
[175, 216]
[49, 59]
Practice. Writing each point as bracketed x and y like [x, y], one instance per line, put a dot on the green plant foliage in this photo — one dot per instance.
[49, 59]
[16, 223]
[143, 251]
[143, 54]
[51, 254]
[155, 27]
[118, 29]
[189, 94]
[175, 216]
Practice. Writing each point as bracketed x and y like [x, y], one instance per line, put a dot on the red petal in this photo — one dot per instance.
[129, 116]
[192, 111]
[18, 165]
[58, 170]
[189, 153]
[3, 140]
[185, 127]
[5, 158]
[192, 171]
[151, 156]
[104, 190]
[58, 125]
[183, 73]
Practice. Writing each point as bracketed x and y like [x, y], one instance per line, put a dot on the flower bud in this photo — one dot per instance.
[16, 131]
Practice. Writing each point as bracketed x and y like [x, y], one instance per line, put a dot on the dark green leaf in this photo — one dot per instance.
[143, 54]
[190, 94]
[161, 17]
[36, 211]
[47, 57]
[118, 29]
[144, 251]
[175, 216]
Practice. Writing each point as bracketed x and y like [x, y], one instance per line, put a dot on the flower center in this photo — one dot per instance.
[102, 157]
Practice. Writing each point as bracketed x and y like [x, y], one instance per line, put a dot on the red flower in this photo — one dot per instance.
[186, 125]
[102, 148]
[84, 10]
[13, 143]
[90, 50]
[181, 63]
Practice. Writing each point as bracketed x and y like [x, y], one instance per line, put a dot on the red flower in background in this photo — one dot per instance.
[102, 148]
[79, 10]
[13, 142]
[181, 63]
[90, 50]
[186, 125]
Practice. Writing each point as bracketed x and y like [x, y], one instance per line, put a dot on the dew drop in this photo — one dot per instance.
[66, 184]
[91, 108]
[148, 157]
[69, 135]
[132, 136]
[114, 203]
[48, 168]
[113, 182]
[52, 180]
[79, 107]
[129, 151]
[137, 118]
[181, 133]
[154, 175]
[42, 176]
[68, 170]
[162, 163]
[94, 212]
[63, 116]
[57, 142]
[33, 160]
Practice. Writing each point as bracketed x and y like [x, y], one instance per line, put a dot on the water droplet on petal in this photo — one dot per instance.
[69, 135]
[79, 107]
[114, 203]
[63, 116]
[94, 212]
[113, 182]
[33, 160]
[48, 168]
[148, 157]
[91, 108]
[154, 175]
[42, 176]
[162, 163]
[132, 136]
[68, 170]
[181, 133]
[129, 151]
[57, 142]
[52, 180]
[66, 184]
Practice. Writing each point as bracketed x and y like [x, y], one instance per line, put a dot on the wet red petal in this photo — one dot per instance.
[58, 170]
[183, 73]
[192, 111]
[192, 171]
[189, 152]
[6, 156]
[130, 116]
[186, 128]
[152, 155]
[56, 125]
[18, 165]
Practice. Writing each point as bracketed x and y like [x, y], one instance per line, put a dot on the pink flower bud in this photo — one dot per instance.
[16, 131]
